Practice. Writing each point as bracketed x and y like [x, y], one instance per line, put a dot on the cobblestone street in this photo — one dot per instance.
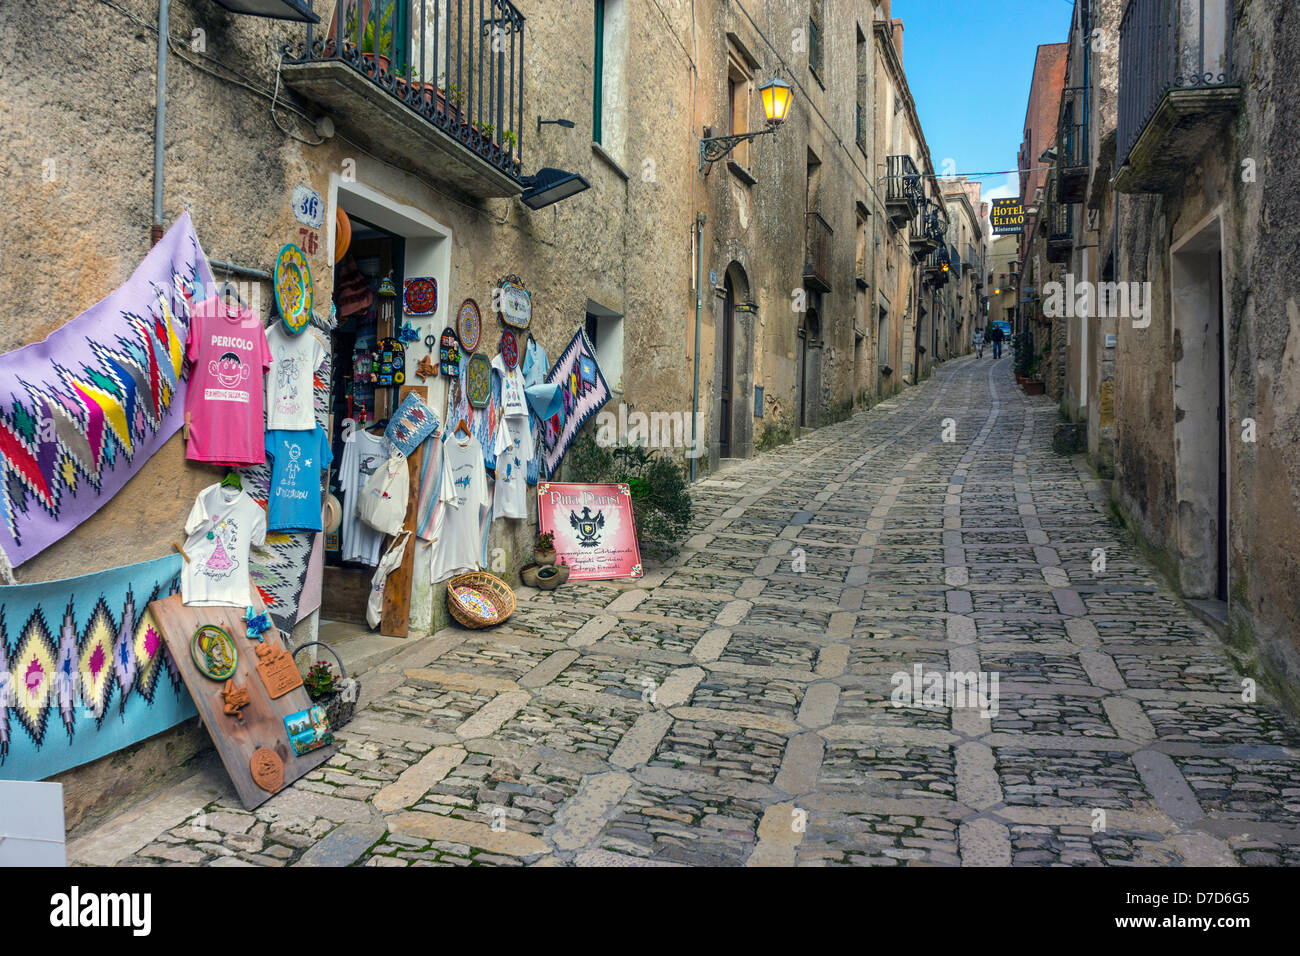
[814, 573]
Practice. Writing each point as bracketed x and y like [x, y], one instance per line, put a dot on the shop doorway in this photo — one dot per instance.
[1200, 400]
[389, 243]
[810, 351]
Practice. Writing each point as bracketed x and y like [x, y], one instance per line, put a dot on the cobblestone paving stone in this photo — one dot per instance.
[740, 705]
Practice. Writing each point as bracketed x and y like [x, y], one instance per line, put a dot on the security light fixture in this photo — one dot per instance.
[550, 186]
[566, 123]
[298, 10]
[776, 97]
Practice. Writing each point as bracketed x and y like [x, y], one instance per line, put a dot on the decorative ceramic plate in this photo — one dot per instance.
[214, 652]
[476, 602]
[293, 288]
[449, 353]
[516, 303]
[509, 349]
[469, 324]
[478, 380]
[420, 296]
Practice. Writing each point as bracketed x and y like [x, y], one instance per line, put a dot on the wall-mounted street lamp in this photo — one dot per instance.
[566, 123]
[550, 186]
[776, 98]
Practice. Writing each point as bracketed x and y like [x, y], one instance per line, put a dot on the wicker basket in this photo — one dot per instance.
[492, 588]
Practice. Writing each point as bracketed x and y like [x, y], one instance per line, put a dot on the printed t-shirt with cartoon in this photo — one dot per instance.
[297, 461]
[228, 355]
[223, 524]
[363, 454]
[291, 382]
[512, 389]
[458, 518]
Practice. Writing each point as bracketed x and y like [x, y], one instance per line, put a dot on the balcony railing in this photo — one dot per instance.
[1072, 151]
[928, 229]
[938, 266]
[1060, 231]
[818, 236]
[1175, 73]
[457, 65]
[904, 193]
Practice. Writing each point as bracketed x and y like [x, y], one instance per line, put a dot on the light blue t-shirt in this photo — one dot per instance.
[294, 498]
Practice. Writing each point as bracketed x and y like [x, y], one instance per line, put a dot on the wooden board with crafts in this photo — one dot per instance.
[249, 695]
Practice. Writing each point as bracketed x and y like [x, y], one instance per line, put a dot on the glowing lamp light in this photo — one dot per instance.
[776, 101]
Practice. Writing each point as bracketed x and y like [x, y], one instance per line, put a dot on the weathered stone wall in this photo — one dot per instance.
[1263, 335]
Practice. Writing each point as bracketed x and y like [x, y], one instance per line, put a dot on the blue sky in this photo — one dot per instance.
[969, 63]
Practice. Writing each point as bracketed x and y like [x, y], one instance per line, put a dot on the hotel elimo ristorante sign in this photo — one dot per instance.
[1008, 217]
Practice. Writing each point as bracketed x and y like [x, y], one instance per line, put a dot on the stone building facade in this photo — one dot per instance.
[804, 292]
[1183, 367]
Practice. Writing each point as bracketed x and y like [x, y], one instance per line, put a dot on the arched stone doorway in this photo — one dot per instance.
[733, 367]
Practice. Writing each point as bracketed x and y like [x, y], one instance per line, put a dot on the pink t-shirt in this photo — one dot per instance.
[229, 357]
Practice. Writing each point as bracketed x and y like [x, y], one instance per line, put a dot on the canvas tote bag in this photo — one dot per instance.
[383, 499]
[391, 559]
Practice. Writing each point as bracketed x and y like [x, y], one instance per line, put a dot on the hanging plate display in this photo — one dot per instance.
[293, 288]
[509, 350]
[213, 652]
[392, 362]
[516, 303]
[478, 380]
[420, 296]
[469, 324]
[449, 353]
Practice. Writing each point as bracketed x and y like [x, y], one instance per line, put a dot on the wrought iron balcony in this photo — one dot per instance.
[818, 237]
[904, 192]
[1060, 231]
[938, 266]
[969, 262]
[928, 229]
[1072, 150]
[1176, 88]
[436, 86]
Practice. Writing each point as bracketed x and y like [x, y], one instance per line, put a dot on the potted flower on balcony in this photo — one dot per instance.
[368, 38]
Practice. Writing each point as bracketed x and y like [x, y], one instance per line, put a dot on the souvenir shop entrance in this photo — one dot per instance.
[375, 349]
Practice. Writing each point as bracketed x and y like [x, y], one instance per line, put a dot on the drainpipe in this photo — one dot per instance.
[159, 124]
[699, 308]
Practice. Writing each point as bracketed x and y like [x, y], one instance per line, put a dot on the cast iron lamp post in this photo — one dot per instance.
[776, 107]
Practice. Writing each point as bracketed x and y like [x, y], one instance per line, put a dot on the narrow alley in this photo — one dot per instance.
[742, 705]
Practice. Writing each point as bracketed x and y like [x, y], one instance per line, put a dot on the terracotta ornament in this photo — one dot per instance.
[276, 668]
[426, 368]
[236, 699]
[267, 769]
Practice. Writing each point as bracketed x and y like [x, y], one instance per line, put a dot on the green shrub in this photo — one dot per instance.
[661, 499]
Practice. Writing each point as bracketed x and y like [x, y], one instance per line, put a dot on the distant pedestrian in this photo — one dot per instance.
[979, 343]
[997, 341]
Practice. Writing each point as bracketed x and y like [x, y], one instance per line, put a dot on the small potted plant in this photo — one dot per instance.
[561, 572]
[544, 549]
[548, 578]
[337, 694]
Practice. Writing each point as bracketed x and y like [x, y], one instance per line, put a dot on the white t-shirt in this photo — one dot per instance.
[462, 509]
[290, 383]
[512, 389]
[362, 456]
[223, 524]
[514, 447]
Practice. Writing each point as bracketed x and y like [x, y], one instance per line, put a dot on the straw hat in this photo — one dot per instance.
[331, 514]
[342, 234]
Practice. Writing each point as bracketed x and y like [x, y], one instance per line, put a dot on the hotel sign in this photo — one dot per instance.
[1008, 217]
